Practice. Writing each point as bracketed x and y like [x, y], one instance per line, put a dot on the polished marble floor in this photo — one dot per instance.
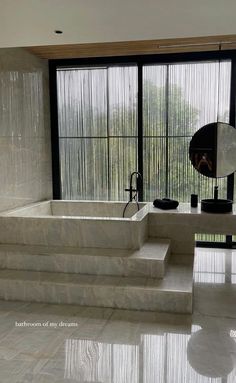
[42, 343]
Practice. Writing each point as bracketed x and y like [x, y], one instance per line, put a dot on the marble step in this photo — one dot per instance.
[172, 294]
[149, 261]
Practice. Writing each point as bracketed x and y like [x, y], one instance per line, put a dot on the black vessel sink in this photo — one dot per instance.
[216, 205]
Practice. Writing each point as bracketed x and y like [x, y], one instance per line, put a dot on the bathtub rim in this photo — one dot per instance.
[137, 216]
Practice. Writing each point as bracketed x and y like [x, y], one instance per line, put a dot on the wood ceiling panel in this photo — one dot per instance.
[192, 44]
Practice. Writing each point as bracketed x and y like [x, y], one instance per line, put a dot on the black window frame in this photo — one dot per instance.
[139, 61]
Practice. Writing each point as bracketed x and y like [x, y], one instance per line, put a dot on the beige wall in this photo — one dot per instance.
[25, 153]
[32, 22]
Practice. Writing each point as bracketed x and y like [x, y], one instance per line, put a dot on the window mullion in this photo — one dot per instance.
[140, 129]
[108, 140]
[167, 132]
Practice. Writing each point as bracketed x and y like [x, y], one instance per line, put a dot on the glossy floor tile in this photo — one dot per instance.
[43, 343]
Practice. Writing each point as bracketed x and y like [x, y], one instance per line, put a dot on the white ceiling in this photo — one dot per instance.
[32, 22]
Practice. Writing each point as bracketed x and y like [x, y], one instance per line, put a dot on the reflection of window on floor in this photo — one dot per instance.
[89, 361]
[125, 363]
[98, 127]
[153, 358]
[210, 267]
[159, 358]
[233, 273]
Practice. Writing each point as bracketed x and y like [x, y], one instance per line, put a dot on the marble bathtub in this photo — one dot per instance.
[76, 223]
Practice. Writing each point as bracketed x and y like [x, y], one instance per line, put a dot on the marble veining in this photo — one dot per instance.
[111, 346]
[149, 261]
[36, 225]
[102, 227]
[24, 129]
[51, 223]
[82, 209]
[170, 294]
[133, 278]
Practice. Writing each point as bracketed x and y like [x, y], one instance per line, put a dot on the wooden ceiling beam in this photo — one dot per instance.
[141, 47]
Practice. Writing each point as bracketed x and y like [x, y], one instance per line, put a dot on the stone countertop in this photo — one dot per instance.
[185, 208]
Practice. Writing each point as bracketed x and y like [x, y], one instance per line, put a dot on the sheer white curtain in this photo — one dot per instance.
[97, 114]
[178, 100]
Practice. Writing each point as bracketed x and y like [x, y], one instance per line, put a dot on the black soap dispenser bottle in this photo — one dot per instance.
[194, 200]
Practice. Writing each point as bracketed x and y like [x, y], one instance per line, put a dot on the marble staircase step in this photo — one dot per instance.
[172, 294]
[149, 261]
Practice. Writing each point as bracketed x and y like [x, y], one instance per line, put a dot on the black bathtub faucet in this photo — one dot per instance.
[131, 189]
[134, 190]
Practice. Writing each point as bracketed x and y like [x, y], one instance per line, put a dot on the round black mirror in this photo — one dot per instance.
[212, 150]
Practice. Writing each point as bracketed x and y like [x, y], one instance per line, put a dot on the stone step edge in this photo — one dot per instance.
[98, 252]
[126, 297]
[139, 283]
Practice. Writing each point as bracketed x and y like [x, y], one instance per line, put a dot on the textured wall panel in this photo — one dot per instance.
[25, 153]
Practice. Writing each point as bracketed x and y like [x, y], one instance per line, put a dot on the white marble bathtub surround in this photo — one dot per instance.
[30, 226]
[24, 129]
[94, 208]
[36, 225]
[81, 209]
[143, 226]
[39, 209]
[55, 231]
[129, 288]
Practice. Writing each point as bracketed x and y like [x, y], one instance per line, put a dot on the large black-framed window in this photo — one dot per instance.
[153, 139]
[97, 130]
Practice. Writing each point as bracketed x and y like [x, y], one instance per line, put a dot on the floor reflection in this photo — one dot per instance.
[233, 275]
[121, 346]
[215, 266]
[202, 357]
[201, 354]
